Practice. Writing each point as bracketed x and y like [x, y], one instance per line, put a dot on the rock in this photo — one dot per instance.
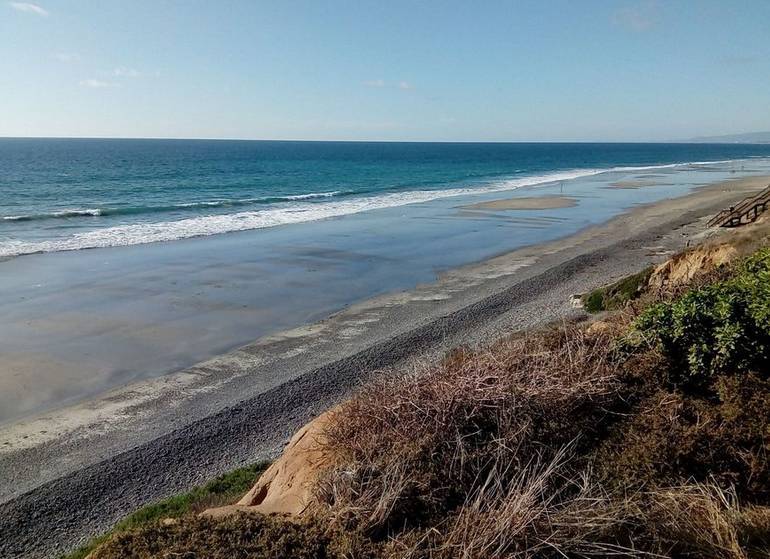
[597, 327]
[286, 487]
[684, 267]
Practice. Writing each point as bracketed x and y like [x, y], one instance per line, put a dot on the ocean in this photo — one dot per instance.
[69, 194]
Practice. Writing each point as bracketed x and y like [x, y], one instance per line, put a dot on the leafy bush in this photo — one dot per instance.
[615, 296]
[715, 328]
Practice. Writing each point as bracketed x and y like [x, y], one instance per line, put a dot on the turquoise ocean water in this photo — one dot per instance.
[68, 194]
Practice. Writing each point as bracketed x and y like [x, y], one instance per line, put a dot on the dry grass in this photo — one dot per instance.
[695, 520]
[699, 517]
[552, 444]
[673, 436]
[243, 536]
[413, 447]
[528, 520]
[517, 515]
[492, 453]
[521, 517]
[505, 453]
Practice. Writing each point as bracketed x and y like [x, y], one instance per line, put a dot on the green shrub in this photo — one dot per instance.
[594, 301]
[615, 296]
[718, 327]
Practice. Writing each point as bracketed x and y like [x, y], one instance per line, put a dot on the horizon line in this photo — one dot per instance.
[171, 138]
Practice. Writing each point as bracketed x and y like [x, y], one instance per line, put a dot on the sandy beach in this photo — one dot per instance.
[79, 469]
[635, 184]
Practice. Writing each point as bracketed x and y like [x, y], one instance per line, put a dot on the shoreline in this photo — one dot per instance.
[196, 423]
[148, 310]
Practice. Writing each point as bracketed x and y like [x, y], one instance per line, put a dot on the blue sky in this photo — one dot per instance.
[385, 70]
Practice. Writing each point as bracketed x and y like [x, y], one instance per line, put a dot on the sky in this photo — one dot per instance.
[442, 70]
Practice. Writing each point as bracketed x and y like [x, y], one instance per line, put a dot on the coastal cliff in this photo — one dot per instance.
[644, 432]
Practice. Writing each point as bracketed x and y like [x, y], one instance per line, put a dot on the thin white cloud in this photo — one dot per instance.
[67, 57]
[29, 8]
[93, 82]
[123, 72]
[404, 85]
[374, 83]
[638, 17]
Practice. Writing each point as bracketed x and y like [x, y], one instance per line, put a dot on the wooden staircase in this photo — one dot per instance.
[746, 211]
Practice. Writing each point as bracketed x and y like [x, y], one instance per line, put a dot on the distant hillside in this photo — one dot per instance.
[749, 138]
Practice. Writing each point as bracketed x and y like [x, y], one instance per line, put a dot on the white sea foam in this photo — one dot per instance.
[312, 195]
[287, 213]
[220, 203]
[61, 213]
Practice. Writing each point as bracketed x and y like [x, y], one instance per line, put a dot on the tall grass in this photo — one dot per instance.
[411, 448]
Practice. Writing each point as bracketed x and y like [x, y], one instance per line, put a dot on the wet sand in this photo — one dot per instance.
[540, 203]
[72, 473]
[634, 184]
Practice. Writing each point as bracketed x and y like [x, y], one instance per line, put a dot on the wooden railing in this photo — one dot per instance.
[746, 211]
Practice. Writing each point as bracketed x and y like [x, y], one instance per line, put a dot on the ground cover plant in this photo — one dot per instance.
[719, 327]
[219, 491]
[616, 295]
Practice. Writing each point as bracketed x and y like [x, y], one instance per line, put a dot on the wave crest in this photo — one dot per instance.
[223, 203]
